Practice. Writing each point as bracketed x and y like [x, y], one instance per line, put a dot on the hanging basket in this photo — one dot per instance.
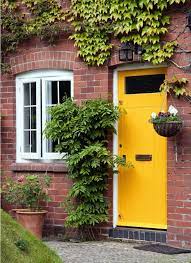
[168, 129]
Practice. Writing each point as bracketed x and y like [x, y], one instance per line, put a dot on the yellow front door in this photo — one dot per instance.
[142, 189]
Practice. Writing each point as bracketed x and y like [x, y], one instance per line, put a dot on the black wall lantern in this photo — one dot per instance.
[189, 21]
[138, 49]
[127, 51]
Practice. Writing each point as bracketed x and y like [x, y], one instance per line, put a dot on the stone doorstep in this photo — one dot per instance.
[118, 233]
[128, 233]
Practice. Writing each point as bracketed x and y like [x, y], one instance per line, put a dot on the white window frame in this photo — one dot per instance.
[48, 155]
[20, 119]
[40, 77]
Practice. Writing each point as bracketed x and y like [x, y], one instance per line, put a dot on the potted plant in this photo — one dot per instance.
[168, 123]
[28, 192]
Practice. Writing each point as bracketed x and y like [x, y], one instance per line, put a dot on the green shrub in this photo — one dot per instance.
[82, 133]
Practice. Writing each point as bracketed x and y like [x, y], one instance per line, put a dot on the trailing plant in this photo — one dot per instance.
[82, 132]
[175, 86]
[95, 24]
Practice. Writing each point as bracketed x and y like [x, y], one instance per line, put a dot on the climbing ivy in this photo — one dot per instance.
[92, 29]
[141, 22]
[25, 19]
[82, 132]
[175, 86]
[95, 24]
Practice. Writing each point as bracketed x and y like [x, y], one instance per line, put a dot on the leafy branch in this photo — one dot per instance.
[175, 86]
[82, 132]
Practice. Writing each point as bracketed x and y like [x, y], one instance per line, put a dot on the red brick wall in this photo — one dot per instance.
[179, 182]
[89, 83]
[179, 148]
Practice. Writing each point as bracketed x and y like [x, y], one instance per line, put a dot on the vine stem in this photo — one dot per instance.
[182, 50]
[178, 66]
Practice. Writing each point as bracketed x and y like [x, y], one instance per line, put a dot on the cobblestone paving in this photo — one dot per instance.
[111, 252]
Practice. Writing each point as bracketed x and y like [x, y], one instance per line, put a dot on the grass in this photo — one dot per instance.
[31, 250]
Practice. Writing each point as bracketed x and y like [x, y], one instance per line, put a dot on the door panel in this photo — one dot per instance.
[142, 189]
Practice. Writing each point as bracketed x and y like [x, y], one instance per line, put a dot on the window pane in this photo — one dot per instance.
[143, 84]
[26, 141]
[33, 141]
[50, 146]
[26, 94]
[27, 118]
[33, 93]
[48, 93]
[48, 116]
[64, 90]
[33, 117]
[55, 92]
[51, 93]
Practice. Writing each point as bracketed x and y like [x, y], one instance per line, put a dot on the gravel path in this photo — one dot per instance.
[111, 252]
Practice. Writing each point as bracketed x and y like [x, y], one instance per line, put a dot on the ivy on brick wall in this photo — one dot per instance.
[26, 19]
[95, 24]
[141, 22]
[175, 86]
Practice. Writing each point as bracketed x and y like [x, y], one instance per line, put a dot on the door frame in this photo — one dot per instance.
[126, 67]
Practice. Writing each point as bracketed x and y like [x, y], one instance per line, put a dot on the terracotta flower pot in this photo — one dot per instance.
[31, 220]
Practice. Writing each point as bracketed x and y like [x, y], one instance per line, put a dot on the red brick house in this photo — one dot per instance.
[41, 74]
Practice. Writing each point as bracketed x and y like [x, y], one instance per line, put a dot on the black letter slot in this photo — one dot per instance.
[143, 157]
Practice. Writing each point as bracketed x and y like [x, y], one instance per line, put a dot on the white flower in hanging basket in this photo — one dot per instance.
[153, 115]
[172, 110]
